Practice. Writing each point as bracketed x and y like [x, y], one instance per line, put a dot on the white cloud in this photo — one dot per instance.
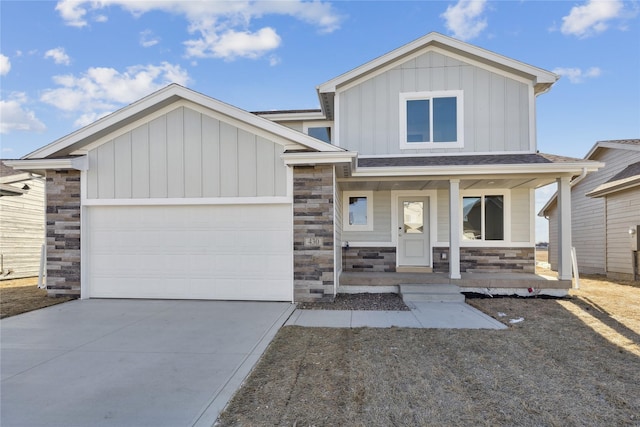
[221, 29]
[591, 18]
[577, 75]
[233, 44]
[148, 39]
[5, 65]
[465, 20]
[15, 117]
[58, 55]
[100, 91]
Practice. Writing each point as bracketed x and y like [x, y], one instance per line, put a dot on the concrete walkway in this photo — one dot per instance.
[448, 315]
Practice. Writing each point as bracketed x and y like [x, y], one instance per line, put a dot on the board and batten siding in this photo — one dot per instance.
[623, 211]
[22, 232]
[496, 108]
[186, 154]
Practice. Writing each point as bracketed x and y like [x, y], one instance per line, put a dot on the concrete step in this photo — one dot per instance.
[431, 293]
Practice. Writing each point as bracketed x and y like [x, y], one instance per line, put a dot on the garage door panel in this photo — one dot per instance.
[195, 252]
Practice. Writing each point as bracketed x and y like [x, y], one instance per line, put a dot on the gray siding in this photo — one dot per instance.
[186, 154]
[521, 215]
[588, 217]
[623, 211]
[443, 215]
[22, 231]
[496, 108]
[381, 221]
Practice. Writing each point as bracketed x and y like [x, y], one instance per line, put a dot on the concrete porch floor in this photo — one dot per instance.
[355, 282]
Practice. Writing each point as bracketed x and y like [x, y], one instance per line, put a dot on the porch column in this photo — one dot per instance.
[564, 228]
[454, 229]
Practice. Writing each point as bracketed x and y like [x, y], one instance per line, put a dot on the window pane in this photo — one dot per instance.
[321, 133]
[493, 218]
[418, 120]
[357, 211]
[413, 217]
[445, 128]
[471, 218]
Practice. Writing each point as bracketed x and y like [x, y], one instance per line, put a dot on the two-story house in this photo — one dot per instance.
[421, 162]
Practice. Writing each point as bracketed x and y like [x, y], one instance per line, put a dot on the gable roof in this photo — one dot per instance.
[620, 144]
[168, 95]
[541, 79]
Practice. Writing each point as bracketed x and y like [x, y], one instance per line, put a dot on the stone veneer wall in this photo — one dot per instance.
[376, 259]
[63, 232]
[488, 260]
[313, 251]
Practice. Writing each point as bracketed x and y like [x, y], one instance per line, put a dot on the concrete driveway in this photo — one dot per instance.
[130, 362]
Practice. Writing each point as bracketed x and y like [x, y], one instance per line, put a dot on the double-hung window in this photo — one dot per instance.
[483, 217]
[431, 119]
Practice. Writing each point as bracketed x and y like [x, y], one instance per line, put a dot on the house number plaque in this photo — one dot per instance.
[313, 241]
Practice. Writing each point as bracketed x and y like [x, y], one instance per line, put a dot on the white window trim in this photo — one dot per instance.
[345, 214]
[408, 96]
[506, 197]
[318, 124]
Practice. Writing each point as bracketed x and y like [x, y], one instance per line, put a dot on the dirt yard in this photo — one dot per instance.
[571, 361]
[22, 295]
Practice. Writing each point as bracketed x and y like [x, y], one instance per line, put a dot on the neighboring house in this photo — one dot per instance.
[422, 160]
[21, 223]
[605, 205]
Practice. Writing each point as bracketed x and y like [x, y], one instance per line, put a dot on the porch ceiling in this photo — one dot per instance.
[408, 183]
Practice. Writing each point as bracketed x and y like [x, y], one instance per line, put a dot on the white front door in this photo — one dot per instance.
[413, 232]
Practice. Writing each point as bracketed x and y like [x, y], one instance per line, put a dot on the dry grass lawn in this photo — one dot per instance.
[572, 361]
[22, 295]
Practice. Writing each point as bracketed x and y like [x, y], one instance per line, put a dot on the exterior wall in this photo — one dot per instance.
[554, 220]
[381, 221]
[623, 211]
[313, 233]
[186, 154]
[63, 232]
[22, 231]
[488, 260]
[369, 259]
[443, 216]
[337, 199]
[588, 218]
[496, 108]
[521, 215]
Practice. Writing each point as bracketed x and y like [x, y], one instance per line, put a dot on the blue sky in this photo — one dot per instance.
[65, 64]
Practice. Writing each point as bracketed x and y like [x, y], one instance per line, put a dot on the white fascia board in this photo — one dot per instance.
[306, 158]
[611, 144]
[285, 117]
[18, 177]
[615, 186]
[548, 205]
[564, 168]
[78, 163]
[540, 76]
[177, 91]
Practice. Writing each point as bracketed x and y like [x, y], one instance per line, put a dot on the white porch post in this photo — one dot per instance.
[564, 228]
[454, 229]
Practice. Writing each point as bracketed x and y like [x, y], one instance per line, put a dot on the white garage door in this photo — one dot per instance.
[234, 252]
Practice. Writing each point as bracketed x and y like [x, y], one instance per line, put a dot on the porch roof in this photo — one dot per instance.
[465, 160]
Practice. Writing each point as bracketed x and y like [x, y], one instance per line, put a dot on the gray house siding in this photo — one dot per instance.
[496, 108]
[22, 233]
[622, 211]
[589, 217]
[186, 154]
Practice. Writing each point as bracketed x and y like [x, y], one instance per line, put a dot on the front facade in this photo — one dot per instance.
[423, 160]
[603, 211]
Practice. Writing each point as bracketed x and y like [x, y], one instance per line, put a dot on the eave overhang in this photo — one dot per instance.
[316, 158]
[615, 186]
[40, 166]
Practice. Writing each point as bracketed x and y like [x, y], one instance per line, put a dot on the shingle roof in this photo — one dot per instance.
[624, 141]
[6, 170]
[628, 172]
[470, 160]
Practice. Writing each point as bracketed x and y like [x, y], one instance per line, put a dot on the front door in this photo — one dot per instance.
[413, 232]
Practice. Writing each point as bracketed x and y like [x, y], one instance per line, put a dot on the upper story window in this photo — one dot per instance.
[319, 129]
[431, 119]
